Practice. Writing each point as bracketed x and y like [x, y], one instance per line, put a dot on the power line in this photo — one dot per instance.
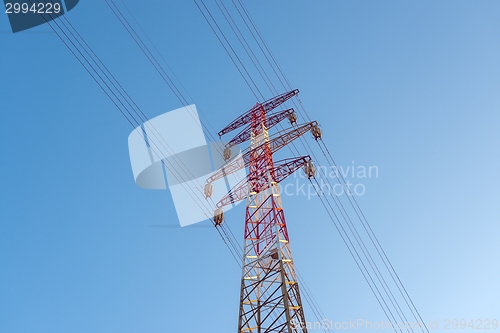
[110, 87]
[276, 68]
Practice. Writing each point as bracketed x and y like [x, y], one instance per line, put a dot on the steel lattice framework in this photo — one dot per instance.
[275, 143]
[269, 297]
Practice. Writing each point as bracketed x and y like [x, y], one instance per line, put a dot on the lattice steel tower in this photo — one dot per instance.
[270, 297]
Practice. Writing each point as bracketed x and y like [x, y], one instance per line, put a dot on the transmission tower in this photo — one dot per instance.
[269, 297]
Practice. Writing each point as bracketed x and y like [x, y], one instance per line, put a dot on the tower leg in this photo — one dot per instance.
[270, 298]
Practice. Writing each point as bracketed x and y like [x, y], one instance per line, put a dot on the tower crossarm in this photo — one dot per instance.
[283, 138]
[256, 182]
[278, 141]
[271, 121]
[267, 106]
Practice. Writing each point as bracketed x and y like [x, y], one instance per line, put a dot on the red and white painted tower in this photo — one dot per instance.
[270, 298]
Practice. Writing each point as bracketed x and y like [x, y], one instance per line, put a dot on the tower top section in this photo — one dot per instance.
[266, 106]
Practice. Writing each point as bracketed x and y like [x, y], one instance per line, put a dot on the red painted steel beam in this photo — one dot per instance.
[279, 140]
[271, 121]
[258, 181]
[267, 106]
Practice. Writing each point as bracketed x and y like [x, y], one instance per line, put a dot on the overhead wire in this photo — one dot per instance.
[391, 296]
[146, 52]
[170, 83]
[98, 77]
[243, 41]
[352, 251]
[310, 300]
[227, 51]
[105, 86]
[361, 243]
[375, 241]
[305, 111]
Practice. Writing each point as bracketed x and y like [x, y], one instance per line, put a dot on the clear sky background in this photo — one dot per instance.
[409, 87]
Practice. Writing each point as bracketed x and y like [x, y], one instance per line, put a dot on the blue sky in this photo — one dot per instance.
[411, 88]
